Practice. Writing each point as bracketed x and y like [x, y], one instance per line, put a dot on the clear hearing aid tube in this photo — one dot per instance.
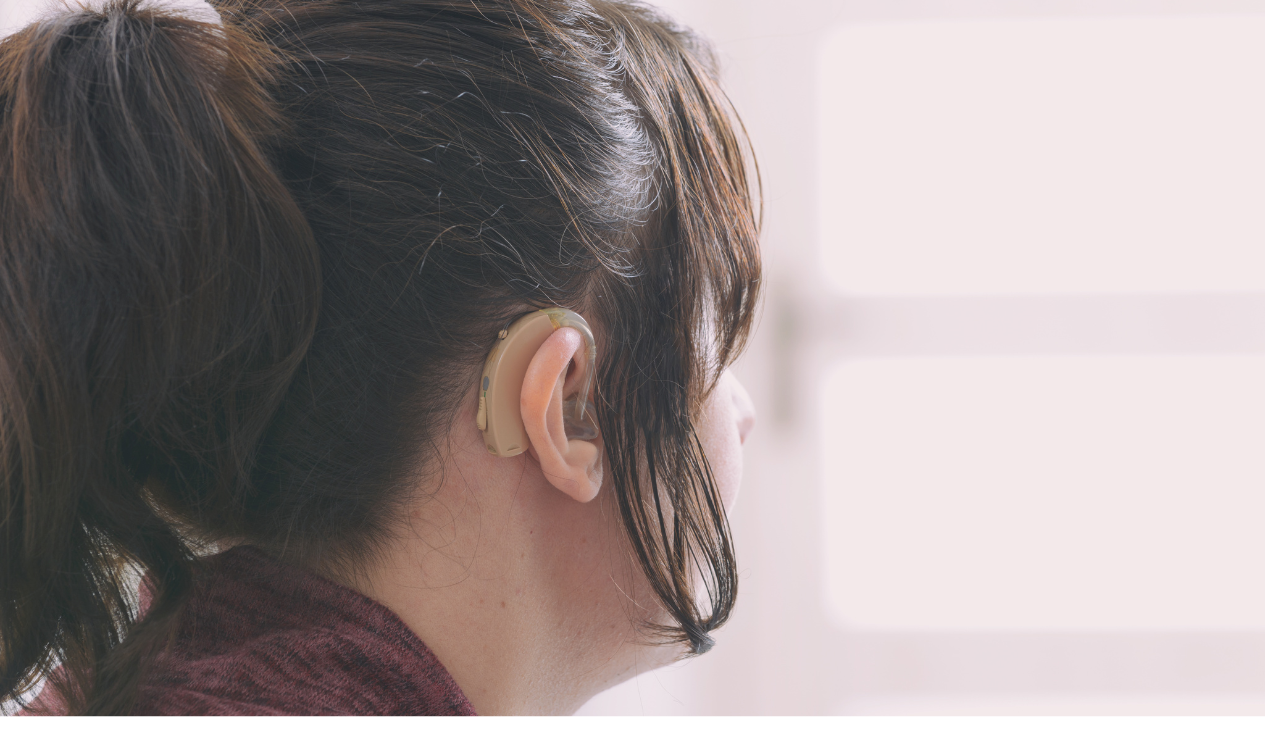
[577, 421]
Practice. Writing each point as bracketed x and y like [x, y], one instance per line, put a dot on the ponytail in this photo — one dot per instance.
[158, 290]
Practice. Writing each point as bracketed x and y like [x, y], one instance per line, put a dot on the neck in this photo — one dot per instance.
[521, 592]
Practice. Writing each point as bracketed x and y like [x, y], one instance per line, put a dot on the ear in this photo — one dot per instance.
[555, 372]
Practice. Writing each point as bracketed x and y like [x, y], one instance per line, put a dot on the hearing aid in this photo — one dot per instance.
[500, 415]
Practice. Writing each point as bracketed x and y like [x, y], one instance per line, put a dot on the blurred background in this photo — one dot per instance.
[1010, 368]
[1011, 365]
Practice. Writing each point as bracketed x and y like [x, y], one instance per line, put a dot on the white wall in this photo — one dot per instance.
[1008, 367]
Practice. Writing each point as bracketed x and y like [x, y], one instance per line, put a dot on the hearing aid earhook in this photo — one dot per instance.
[500, 388]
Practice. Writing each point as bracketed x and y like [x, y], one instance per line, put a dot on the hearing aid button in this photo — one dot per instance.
[481, 420]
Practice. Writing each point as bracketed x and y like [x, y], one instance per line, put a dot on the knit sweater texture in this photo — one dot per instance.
[260, 637]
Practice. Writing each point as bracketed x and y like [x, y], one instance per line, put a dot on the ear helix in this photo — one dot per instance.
[500, 388]
[576, 419]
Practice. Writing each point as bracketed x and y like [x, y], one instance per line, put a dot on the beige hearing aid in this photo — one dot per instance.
[500, 390]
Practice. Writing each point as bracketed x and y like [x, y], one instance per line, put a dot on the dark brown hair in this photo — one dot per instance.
[246, 268]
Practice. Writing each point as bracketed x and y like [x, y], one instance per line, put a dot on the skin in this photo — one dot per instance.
[516, 572]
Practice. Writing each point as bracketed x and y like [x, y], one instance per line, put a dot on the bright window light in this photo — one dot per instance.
[1045, 493]
[1046, 156]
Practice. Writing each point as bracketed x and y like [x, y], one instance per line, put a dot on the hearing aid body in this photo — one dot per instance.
[501, 387]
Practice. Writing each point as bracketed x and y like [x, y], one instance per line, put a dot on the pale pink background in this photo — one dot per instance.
[1009, 370]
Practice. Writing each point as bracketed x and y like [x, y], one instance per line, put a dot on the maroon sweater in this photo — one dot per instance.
[260, 637]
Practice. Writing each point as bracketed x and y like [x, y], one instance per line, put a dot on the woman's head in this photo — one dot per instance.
[249, 273]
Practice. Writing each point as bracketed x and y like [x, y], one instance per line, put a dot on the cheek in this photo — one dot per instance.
[627, 600]
[722, 442]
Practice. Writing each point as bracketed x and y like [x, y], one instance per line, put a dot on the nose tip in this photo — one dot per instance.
[744, 410]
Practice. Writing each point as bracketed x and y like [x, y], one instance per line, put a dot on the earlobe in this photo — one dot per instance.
[573, 465]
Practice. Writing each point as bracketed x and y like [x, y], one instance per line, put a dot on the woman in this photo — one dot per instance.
[250, 275]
